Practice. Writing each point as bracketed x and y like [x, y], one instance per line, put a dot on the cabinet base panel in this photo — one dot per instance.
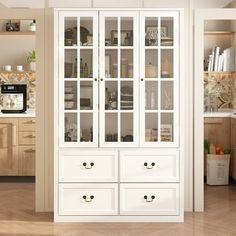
[145, 219]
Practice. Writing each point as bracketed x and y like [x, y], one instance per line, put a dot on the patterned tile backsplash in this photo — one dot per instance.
[21, 77]
[219, 90]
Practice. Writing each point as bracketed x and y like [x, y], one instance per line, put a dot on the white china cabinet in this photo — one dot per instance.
[117, 115]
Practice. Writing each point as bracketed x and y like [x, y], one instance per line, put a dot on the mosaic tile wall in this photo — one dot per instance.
[220, 88]
[24, 77]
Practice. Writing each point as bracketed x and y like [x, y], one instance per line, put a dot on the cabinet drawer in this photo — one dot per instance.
[27, 160]
[88, 199]
[149, 166]
[26, 138]
[26, 124]
[88, 166]
[149, 199]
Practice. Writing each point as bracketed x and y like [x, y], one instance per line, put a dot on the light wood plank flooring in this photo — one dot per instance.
[17, 217]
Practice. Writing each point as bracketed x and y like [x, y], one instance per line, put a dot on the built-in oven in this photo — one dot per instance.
[14, 98]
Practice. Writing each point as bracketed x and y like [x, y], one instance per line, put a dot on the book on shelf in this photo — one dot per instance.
[221, 61]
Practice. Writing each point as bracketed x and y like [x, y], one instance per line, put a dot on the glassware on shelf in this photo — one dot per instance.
[106, 99]
[114, 70]
[90, 40]
[165, 73]
[124, 68]
[153, 98]
[127, 40]
[146, 100]
[85, 74]
[150, 71]
[112, 104]
[75, 68]
[130, 71]
[81, 68]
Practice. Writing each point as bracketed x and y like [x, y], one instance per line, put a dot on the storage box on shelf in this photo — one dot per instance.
[118, 153]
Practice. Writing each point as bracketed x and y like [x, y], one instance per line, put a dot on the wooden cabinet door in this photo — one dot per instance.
[26, 160]
[8, 147]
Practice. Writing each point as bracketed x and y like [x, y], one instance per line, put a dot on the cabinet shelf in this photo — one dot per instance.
[219, 32]
[219, 75]
[17, 33]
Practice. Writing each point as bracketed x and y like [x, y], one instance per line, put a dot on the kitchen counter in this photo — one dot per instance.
[221, 113]
[28, 113]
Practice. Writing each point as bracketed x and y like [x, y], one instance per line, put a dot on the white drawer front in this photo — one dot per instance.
[149, 166]
[88, 166]
[149, 199]
[88, 199]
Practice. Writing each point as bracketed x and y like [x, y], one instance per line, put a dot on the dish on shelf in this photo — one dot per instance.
[69, 96]
[68, 89]
[69, 104]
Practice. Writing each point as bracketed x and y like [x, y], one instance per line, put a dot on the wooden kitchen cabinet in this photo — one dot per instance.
[8, 147]
[26, 151]
[26, 160]
[17, 146]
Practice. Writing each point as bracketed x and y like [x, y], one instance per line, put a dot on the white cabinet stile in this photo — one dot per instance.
[118, 156]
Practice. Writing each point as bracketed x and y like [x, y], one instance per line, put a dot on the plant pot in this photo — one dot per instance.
[32, 66]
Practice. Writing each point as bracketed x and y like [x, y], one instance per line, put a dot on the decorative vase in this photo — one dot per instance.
[32, 66]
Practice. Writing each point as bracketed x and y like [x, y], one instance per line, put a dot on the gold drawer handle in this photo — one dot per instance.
[30, 122]
[30, 136]
[29, 150]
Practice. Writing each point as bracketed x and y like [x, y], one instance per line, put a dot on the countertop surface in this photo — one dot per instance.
[221, 113]
[28, 113]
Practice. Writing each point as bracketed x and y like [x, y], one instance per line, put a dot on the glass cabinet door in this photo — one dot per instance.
[159, 78]
[78, 73]
[119, 78]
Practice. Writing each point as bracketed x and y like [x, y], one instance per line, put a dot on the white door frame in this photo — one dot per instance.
[200, 16]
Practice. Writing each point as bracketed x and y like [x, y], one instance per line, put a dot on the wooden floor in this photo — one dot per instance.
[17, 217]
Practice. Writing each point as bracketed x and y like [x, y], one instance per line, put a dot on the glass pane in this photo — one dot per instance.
[70, 69]
[151, 62]
[86, 95]
[70, 31]
[86, 63]
[111, 66]
[111, 95]
[70, 95]
[167, 127]
[111, 29]
[167, 95]
[70, 127]
[86, 127]
[126, 64]
[167, 63]
[126, 35]
[151, 95]
[86, 31]
[126, 127]
[151, 121]
[151, 31]
[167, 34]
[126, 95]
[111, 129]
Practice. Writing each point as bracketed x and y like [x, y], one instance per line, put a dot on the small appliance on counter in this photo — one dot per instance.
[14, 98]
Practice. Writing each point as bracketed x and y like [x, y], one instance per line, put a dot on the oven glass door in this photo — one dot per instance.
[13, 102]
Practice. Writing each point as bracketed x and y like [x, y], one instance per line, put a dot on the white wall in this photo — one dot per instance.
[23, 3]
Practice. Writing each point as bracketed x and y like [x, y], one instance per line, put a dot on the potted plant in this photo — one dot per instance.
[31, 59]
